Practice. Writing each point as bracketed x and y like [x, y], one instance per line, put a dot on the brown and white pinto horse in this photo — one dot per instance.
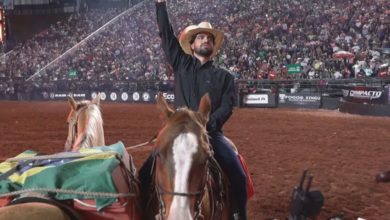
[187, 178]
[85, 124]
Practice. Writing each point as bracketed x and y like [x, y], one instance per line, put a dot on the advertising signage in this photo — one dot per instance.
[367, 95]
[301, 100]
[294, 68]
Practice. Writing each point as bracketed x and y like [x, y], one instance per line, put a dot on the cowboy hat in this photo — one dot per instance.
[188, 32]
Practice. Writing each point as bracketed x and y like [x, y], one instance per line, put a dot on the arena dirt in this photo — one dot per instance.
[343, 152]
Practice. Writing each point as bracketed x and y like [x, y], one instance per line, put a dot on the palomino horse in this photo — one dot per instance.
[85, 131]
[85, 124]
[188, 180]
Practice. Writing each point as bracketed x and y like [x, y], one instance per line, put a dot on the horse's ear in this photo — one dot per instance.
[163, 106]
[96, 100]
[205, 106]
[72, 103]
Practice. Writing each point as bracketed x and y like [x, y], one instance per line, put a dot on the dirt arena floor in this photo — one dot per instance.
[343, 152]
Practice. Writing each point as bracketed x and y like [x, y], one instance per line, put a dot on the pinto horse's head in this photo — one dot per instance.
[181, 164]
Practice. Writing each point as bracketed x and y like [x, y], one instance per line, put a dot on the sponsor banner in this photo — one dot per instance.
[103, 96]
[136, 97]
[142, 97]
[124, 96]
[294, 68]
[301, 100]
[64, 95]
[367, 95]
[146, 97]
[255, 99]
[113, 96]
[258, 100]
[169, 96]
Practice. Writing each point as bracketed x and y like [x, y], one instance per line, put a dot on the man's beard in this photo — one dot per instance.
[204, 51]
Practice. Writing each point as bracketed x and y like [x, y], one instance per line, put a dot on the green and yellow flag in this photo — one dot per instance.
[86, 171]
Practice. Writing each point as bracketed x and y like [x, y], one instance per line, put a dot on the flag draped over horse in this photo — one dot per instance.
[85, 183]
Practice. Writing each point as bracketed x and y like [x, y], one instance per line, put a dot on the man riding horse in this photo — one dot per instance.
[191, 59]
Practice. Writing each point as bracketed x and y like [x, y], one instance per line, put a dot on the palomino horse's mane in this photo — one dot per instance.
[92, 129]
[85, 124]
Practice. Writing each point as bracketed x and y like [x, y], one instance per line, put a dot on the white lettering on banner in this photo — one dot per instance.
[365, 94]
[113, 96]
[256, 99]
[60, 95]
[93, 95]
[314, 98]
[169, 96]
[298, 98]
[64, 95]
[282, 98]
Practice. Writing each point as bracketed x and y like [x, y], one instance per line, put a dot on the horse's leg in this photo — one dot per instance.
[32, 211]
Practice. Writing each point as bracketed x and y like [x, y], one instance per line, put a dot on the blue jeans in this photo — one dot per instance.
[227, 159]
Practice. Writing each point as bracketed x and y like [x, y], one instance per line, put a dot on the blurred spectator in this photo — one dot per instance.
[263, 38]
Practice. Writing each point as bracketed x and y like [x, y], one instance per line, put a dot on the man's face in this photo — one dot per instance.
[203, 44]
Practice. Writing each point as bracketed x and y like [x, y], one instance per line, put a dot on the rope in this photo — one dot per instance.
[73, 192]
[152, 140]
[57, 156]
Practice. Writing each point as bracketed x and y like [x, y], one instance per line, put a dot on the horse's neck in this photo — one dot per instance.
[93, 139]
[92, 133]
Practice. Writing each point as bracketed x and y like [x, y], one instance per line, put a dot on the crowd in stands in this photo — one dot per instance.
[261, 39]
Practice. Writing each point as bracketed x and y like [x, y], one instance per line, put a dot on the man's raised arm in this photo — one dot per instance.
[170, 44]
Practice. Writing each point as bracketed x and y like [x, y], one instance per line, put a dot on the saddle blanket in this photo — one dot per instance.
[88, 170]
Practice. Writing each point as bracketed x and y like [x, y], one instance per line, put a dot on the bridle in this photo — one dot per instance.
[198, 194]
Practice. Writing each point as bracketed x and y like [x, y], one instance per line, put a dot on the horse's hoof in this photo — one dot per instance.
[383, 177]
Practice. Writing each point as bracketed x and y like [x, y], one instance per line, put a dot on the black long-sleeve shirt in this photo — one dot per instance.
[193, 80]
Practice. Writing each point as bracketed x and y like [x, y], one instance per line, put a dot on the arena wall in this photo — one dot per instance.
[367, 97]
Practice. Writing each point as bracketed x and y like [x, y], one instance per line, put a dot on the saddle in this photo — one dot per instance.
[87, 202]
[65, 206]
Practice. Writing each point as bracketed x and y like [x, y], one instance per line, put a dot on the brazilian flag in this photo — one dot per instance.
[86, 171]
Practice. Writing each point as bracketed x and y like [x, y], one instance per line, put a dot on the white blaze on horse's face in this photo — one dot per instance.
[184, 147]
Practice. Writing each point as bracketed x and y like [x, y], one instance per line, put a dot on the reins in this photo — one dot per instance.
[152, 140]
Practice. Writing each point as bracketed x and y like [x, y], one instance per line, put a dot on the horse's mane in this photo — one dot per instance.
[95, 120]
[85, 124]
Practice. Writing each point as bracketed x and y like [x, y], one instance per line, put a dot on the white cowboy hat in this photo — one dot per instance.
[188, 32]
